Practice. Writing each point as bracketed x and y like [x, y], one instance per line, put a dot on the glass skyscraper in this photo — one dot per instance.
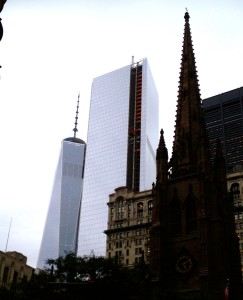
[123, 135]
[62, 223]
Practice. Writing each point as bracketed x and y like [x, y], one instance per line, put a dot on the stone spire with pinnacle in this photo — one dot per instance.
[190, 135]
[162, 160]
[193, 244]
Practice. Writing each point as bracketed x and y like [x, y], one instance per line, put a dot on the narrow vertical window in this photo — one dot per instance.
[175, 217]
[120, 208]
[140, 209]
[150, 208]
[191, 215]
[235, 190]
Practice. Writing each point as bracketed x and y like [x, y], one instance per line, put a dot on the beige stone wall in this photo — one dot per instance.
[13, 268]
[129, 221]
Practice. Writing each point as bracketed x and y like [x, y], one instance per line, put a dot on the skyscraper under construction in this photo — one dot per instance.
[123, 133]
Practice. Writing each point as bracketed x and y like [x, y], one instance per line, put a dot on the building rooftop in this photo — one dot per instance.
[74, 140]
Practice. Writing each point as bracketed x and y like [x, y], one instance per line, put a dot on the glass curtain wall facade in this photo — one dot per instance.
[61, 228]
[224, 121]
[123, 135]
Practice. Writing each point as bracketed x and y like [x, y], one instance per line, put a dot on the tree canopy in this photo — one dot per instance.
[63, 279]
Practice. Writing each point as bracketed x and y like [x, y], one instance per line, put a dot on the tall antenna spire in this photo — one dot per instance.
[75, 129]
[8, 235]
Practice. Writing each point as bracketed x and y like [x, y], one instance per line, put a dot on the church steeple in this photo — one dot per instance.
[189, 132]
[192, 238]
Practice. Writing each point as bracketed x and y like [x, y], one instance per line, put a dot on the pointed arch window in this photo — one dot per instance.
[140, 209]
[175, 217]
[191, 215]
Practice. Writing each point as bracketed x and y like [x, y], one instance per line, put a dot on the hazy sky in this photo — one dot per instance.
[52, 49]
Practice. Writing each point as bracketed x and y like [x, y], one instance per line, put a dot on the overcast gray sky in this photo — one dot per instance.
[52, 49]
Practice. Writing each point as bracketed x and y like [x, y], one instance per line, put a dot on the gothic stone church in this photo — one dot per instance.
[194, 247]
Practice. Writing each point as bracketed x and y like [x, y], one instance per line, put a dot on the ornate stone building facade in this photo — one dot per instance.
[193, 243]
[235, 185]
[129, 220]
[13, 269]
